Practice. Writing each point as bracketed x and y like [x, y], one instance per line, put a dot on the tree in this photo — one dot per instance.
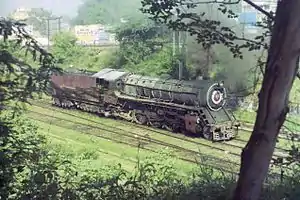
[279, 73]
[211, 26]
[106, 12]
[64, 47]
[68, 52]
[19, 81]
[144, 44]
[91, 12]
[38, 19]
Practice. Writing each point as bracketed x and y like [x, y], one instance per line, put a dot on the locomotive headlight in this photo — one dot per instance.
[216, 97]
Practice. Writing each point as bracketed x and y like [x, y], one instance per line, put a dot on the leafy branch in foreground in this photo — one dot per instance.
[208, 32]
[19, 80]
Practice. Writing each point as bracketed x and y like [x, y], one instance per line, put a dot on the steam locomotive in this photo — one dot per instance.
[194, 107]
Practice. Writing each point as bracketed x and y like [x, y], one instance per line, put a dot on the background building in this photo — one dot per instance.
[249, 16]
[94, 34]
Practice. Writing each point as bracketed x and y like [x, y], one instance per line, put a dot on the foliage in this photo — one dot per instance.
[143, 47]
[46, 173]
[38, 19]
[213, 25]
[107, 12]
[28, 171]
[91, 12]
[69, 53]
[19, 81]
[64, 47]
[18, 148]
[157, 64]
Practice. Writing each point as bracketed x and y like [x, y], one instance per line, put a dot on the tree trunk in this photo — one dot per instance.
[281, 69]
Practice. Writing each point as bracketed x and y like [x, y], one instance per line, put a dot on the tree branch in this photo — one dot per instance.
[269, 15]
[257, 7]
[214, 1]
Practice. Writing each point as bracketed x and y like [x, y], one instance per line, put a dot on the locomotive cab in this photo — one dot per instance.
[102, 83]
[109, 78]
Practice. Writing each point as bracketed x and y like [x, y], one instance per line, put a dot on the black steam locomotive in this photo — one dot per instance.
[195, 107]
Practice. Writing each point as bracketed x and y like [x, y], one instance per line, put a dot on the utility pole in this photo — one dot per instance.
[176, 35]
[48, 33]
[175, 43]
[179, 49]
[48, 27]
[182, 62]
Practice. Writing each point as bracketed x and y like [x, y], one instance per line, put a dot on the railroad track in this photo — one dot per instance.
[279, 151]
[236, 145]
[140, 141]
[144, 141]
[285, 134]
[143, 127]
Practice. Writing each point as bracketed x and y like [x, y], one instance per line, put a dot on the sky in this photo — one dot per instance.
[59, 7]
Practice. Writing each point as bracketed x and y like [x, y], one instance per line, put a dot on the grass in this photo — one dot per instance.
[136, 131]
[82, 145]
[103, 127]
[92, 152]
[292, 122]
[97, 141]
[103, 151]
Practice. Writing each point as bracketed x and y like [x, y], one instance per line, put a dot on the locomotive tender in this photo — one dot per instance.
[195, 107]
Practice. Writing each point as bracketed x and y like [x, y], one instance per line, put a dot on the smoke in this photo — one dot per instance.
[219, 61]
[238, 74]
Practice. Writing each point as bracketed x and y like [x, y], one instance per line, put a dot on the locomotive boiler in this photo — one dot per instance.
[194, 107]
[190, 93]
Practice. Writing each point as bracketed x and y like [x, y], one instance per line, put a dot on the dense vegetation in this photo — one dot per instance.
[145, 45]
[31, 168]
[107, 12]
